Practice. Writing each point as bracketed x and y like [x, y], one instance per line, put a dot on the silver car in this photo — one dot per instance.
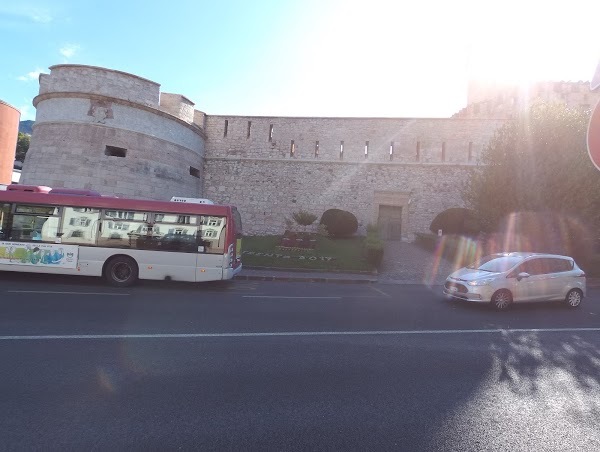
[501, 279]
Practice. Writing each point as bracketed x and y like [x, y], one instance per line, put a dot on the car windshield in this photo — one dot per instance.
[495, 264]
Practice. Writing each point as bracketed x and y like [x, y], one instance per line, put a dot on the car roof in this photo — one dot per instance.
[529, 254]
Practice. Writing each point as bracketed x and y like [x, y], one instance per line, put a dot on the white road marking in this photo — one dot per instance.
[292, 333]
[380, 291]
[70, 293]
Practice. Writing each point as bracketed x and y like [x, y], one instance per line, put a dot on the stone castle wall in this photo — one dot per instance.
[74, 78]
[267, 191]
[270, 167]
[372, 139]
[73, 156]
[506, 101]
[118, 134]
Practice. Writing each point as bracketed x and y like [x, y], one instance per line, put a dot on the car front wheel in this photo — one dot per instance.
[501, 300]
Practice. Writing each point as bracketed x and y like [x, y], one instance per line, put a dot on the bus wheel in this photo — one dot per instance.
[121, 271]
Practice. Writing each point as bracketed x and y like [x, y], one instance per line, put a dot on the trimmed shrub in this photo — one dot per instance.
[456, 220]
[339, 223]
[374, 246]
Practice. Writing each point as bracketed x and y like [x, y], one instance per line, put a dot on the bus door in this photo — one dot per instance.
[212, 247]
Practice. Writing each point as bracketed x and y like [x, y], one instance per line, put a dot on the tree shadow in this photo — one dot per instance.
[538, 364]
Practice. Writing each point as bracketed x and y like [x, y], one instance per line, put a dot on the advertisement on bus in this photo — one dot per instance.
[39, 254]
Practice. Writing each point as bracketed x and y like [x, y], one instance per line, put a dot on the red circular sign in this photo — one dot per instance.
[593, 136]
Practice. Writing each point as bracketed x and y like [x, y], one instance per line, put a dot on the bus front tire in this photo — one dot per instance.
[121, 271]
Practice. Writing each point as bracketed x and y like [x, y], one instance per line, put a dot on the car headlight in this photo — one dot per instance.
[480, 282]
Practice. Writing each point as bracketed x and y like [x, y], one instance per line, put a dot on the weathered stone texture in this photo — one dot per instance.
[79, 110]
[73, 155]
[95, 80]
[406, 136]
[177, 105]
[266, 192]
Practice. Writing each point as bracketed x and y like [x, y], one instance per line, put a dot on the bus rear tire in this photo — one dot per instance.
[121, 271]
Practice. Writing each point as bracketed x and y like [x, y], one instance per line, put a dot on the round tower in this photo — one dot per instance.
[113, 132]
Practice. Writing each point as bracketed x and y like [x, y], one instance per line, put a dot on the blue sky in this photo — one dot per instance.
[303, 58]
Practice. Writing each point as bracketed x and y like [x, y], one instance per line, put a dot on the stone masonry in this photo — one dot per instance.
[116, 133]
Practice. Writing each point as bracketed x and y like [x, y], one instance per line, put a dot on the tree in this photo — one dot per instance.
[22, 146]
[538, 163]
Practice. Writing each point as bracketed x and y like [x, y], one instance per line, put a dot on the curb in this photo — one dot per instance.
[304, 279]
[407, 282]
[304, 270]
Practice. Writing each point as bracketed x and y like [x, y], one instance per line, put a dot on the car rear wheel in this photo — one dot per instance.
[573, 298]
[501, 300]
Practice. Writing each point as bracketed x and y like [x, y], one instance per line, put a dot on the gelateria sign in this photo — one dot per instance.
[39, 254]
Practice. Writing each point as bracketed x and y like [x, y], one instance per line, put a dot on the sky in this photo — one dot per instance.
[365, 58]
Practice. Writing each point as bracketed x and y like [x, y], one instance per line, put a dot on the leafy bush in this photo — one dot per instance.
[304, 218]
[374, 246]
[456, 220]
[339, 223]
[372, 229]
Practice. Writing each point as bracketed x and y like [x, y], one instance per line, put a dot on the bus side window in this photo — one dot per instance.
[38, 223]
[212, 231]
[80, 225]
[5, 221]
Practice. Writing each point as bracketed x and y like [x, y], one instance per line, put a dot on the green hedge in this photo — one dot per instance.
[374, 246]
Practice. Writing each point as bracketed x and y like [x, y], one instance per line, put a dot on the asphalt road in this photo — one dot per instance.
[288, 366]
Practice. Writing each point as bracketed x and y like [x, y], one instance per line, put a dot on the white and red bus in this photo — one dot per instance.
[80, 232]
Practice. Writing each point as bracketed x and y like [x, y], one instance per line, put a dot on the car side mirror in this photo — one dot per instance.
[522, 275]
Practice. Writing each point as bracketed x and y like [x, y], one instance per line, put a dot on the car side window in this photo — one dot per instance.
[534, 267]
[559, 265]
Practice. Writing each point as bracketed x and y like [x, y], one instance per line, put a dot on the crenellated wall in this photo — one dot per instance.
[373, 139]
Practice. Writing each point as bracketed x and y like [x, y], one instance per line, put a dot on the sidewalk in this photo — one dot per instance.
[273, 274]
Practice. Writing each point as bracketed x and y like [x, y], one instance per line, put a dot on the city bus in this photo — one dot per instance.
[81, 232]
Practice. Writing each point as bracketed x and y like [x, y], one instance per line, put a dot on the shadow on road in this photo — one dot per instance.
[529, 365]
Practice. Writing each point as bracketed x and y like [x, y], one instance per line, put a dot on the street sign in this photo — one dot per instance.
[595, 83]
[593, 136]
[593, 132]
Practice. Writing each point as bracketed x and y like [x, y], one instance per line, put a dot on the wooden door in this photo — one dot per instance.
[390, 222]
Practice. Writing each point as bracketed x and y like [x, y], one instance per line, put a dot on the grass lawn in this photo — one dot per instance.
[330, 254]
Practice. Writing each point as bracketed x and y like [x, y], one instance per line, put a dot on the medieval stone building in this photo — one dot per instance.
[116, 133]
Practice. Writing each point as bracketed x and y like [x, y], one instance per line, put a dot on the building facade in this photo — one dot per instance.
[116, 133]
[9, 132]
